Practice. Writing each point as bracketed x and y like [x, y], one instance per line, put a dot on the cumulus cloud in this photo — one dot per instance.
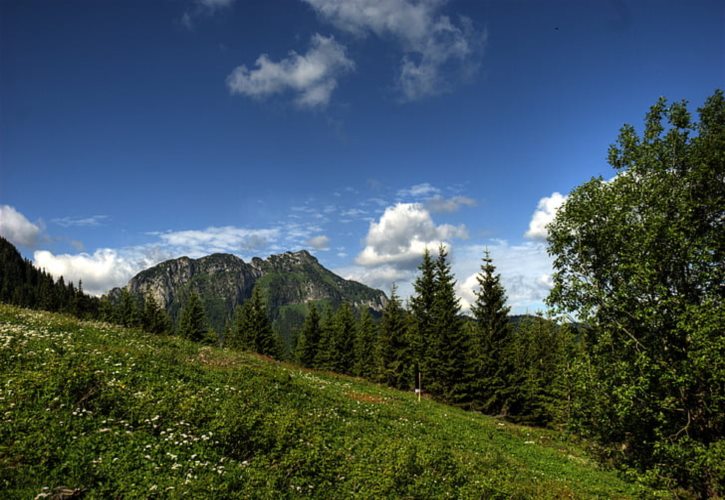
[311, 77]
[525, 272]
[439, 204]
[402, 234]
[432, 43]
[544, 214]
[16, 228]
[320, 242]
[100, 271]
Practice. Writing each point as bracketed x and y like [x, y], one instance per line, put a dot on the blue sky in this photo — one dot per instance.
[136, 131]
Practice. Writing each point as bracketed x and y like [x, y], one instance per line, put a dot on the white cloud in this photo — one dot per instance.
[197, 243]
[100, 271]
[15, 227]
[432, 44]
[312, 76]
[320, 242]
[439, 204]
[419, 191]
[215, 4]
[381, 277]
[95, 220]
[525, 272]
[402, 234]
[544, 214]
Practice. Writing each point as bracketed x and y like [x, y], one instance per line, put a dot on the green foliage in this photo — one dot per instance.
[490, 366]
[392, 351]
[448, 349]
[119, 413]
[155, 319]
[421, 307]
[639, 258]
[309, 338]
[254, 328]
[365, 341]
[192, 322]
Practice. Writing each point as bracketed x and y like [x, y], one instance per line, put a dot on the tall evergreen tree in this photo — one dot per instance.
[490, 368]
[421, 306]
[365, 345]
[394, 360]
[192, 321]
[155, 319]
[309, 338]
[261, 336]
[344, 339]
[327, 349]
[447, 360]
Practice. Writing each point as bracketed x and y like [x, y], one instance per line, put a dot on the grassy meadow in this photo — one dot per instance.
[108, 412]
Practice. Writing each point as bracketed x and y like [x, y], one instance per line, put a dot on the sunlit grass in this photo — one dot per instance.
[115, 412]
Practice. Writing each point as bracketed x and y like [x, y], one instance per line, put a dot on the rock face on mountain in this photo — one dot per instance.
[288, 281]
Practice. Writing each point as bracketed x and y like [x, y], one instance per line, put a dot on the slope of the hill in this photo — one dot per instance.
[96, 409]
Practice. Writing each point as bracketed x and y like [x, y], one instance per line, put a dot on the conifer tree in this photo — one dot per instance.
[344, 339]
[447, 360]
[490, 368]
[261, 336]
[365, 346]
[192, 321]
[421, 306]
[309, 338]
[394, 360]
[326, 351]
[126, 310]
[155, 319]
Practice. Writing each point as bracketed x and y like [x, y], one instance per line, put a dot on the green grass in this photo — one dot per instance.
[121, 413]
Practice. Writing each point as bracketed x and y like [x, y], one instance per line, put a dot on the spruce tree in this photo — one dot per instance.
[365, 345]
[421, 306]
[394, 360]
[309, 338]
[344, 339]
[490, 368]
[192, 321]
[154, 319]
[259, 328]
[327, 350]
[447, 360]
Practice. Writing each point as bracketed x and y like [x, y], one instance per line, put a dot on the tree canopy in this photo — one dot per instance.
[639, 259]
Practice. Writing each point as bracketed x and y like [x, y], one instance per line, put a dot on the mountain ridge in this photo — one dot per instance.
[289, 281]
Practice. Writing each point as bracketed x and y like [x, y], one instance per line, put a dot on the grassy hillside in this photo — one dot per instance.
[116, 412]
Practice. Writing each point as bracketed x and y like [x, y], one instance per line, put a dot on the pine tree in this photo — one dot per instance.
[309, 338]
[394, 360]
[154, 319]
[126, 310]
[365, 345]
[344, 339]
[326, 351]
[448, 357]
[262, 337]
[490, 369]
[192, 321]
[421, 305]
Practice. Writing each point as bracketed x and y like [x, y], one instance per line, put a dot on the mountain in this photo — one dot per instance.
[289, 281]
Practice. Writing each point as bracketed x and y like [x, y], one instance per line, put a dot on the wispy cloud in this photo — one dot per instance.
[417, 191]
[15, 227]
[311, 77]
[434, 47]
[320, 242]
[439, 204]
[201, 8]
[95, 220]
